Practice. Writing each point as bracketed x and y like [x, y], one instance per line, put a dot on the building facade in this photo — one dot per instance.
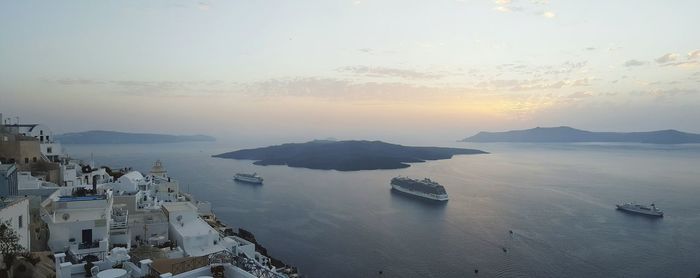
[190, 232]
[51, 149]
[79, 225]
[8, 180]
[15, 212]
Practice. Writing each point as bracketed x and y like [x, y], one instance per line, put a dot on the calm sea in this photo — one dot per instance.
[558, 199]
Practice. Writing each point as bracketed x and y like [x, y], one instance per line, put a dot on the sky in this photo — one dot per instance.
[407, 71]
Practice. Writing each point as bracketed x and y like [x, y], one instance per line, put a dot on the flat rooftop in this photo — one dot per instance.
[179, 206]
[196, 227]
[81, 198]
[148, 217]
[78, 215]
[11, 200]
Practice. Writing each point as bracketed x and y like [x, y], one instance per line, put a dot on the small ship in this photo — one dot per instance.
[425, 188]
[650, 210]
[249, 178]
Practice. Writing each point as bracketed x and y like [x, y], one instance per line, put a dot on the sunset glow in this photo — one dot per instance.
[461, 66]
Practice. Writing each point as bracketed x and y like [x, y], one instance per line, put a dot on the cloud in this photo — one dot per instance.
[74, 81]
[532, 7]
[389, 72]
[695, 54]
[685, 64]
[549, 14]
[566, 67]
[337, 88]
[374, 51]
[668, 57]
[580, 95]
[664, 93]
[532, 84]
[505, 6]
[151, 88]
[590, 48]
[502, 9]
[203, 5]
[563, 68]
[634, 63]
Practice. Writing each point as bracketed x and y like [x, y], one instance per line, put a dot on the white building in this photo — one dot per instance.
[25, 180]
[70, 172]
[166, 189]
[9, 186]
[148, 227]
[49, 147]
[239, 260]
[163, 187]
[158, 170]
[144, 193]
[78, 224]
[129, 182]
[190, 232]
[15, 211]
[94, 176]
[119, 230]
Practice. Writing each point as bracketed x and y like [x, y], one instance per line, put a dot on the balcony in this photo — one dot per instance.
[80, 251]
[88, 245]
[120, 218]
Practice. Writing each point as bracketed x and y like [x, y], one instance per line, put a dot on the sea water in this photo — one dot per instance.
[557, 199]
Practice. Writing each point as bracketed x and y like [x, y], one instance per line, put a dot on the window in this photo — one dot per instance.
[26, 160]
[49, 150]
[19, 221]
[42, 138]
[47, 138]
[41, 132]
[34, 159]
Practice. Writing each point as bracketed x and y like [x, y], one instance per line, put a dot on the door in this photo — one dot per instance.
[87, 236]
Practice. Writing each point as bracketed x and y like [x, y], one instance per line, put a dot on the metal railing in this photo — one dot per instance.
[183, 266]
[88, 245]
[78, 258]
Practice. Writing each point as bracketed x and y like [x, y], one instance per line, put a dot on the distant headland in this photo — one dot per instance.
[114, 137]
[345, 155]
[565, 134]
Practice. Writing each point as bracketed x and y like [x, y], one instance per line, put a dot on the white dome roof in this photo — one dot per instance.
[133, 176]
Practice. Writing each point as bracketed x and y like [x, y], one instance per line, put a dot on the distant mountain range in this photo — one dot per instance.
[345, 155]
[114, 137]
[565, 134]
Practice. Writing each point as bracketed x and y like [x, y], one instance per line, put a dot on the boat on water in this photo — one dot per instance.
[650, 210]
[249, 178]
[425, 188]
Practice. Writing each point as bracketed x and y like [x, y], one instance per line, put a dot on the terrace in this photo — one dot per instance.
[81, 198]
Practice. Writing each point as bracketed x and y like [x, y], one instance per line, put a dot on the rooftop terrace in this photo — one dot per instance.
[81, 198]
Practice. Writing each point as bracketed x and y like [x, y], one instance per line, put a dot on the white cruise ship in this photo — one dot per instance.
[651, 210]
[249, 178]
[425, 188]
